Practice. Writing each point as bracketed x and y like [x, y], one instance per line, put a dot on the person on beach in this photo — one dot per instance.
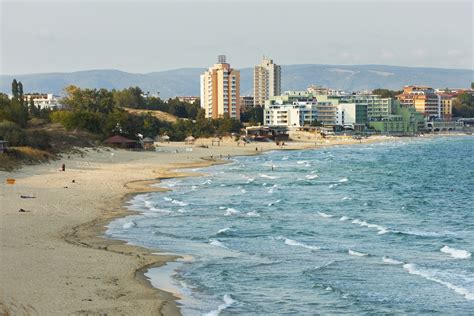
[63, 167]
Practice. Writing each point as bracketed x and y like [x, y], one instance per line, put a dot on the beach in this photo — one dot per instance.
[54, 259]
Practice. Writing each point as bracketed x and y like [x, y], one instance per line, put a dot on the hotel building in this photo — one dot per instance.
[220, 91]
[266, 81]
[426, 101]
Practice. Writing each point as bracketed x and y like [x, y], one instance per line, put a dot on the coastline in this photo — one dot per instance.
[84, 235]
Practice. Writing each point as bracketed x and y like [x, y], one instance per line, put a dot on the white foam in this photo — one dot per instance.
[346, 198]
[311, 176]
[387, 260]
[267, 176]
[291, 242]
[357, 254]
[228, 302]
[343, 180]
[301, 162]
[217, 243]
[222, 207]
[322, 214]
[180, 203]
[344, 218]
[243, 191]
[231, 211]
[194, 187]
[253, 214]
[129, 225]
[456, 253]
[381, 229]
[167, 199]
[431, 275]
[273, 203]
[223, 230]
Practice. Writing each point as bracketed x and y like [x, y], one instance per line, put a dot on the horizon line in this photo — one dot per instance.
[183, 68]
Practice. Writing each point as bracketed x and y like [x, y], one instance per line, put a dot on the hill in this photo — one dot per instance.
[294, 77]
[162, 116]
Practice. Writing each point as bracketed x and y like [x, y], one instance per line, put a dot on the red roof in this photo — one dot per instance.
[117, 139]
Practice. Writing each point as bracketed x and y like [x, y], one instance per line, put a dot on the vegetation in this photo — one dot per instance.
[463, 105]
[253, 115]
[387, 93]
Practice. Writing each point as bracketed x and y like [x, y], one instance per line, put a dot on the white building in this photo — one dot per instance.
[43, 100]
[296, 114]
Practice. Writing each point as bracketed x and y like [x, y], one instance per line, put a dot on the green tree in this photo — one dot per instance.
[386, 93]
[15, 89]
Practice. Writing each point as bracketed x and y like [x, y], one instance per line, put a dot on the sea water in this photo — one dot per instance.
[364, 229]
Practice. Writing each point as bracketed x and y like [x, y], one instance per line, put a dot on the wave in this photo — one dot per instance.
[253, 214]
[217, 243]
[291, 242]
[180, 203]
[343, 180]
[301, 162]
[381, 229]
[129, 225]
[346, 198]
[228, 302]
[356, 253]
[343, 218]
[456, 253]
[311, 176]
[322, 214]
[223, 230]
[387, 260]
[231, 211]
[267, 176]
[432, 275]
[273, 203]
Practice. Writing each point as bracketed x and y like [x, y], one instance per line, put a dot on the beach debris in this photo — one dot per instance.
[22, 210]
[27, 197]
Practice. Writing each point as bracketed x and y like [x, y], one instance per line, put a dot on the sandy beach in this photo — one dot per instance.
[54, 259]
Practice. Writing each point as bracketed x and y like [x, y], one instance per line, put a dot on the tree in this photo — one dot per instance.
[386, 93]
[129, 98]
[463, 105]
[15, 89]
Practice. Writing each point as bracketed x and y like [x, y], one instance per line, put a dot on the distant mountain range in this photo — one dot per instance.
[185, 81]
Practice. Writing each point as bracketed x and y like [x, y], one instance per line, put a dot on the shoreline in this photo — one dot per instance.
[85, 233]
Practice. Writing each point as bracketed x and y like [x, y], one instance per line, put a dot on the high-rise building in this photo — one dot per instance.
[220, 90]
[266, 81]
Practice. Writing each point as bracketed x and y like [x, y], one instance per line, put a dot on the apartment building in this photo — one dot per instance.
[266, 81]
[220, 90]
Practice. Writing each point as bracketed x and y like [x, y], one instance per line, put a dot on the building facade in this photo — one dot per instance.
[425, 100]
[220, 91]
[246, 102]
[266, 81]
[43, 100]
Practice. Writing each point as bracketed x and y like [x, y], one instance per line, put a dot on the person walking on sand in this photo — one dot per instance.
[63, 167]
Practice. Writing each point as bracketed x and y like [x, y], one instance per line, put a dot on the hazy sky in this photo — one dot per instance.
[145, 36]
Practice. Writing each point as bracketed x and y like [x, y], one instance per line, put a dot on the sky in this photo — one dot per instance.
[147, 36]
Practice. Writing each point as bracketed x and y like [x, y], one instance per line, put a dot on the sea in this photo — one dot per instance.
[382, 228]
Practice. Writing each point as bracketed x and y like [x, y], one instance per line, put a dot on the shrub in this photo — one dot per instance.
[13, 134]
